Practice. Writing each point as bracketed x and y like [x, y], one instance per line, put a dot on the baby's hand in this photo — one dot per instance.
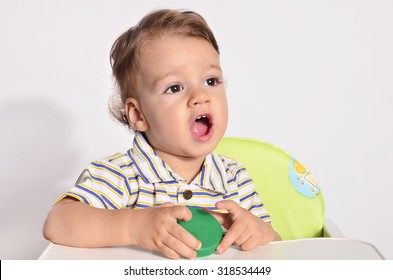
[156, 228]
[244, 229]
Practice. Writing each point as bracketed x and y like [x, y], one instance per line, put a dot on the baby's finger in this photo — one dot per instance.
[185, 237]
[229, 205]
[180, 212]
[230, 237]
[248, 244]
[168, 252]
[242, 238]
[225, 243]
[220, 217]
[167, 204]
[180, 248]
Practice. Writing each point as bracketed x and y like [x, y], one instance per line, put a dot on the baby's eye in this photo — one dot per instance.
[174, 88]
[212, 82]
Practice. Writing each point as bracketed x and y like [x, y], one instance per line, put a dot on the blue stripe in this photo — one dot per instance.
[80, 196]
[114, 172]
[219, 172]
[109, 202]
[171, 182]
[264, 217]
[211, 184]
[244, 182]
[205, 193]
[149, 160]
[134, 193]
[255, 206]
[170, 173]
[141, 205]
[165, 192]
[202, 175]
[106, 183]
[93, 194]
[211, 208]
[234, 179]
[231, 181]
[138, 176]
[230, 195]
[137, 167]
[147, 191]
[126, 165]
[248, 196]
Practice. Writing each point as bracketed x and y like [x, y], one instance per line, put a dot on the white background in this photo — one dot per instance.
[312, 77]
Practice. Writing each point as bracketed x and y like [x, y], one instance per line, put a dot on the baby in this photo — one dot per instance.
[171, 94]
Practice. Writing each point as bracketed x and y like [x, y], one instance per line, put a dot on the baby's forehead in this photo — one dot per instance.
[174, 57]
[174, 47]
[168, 35]
[152, 43]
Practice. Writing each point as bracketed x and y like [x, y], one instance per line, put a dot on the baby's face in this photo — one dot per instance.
[182, 96]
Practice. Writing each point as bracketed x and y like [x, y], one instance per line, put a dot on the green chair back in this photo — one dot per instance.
[287, 189]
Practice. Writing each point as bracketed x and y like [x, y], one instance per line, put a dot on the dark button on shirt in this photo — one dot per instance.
[187, 194]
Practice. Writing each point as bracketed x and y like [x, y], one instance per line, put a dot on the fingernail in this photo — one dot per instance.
[199, 246]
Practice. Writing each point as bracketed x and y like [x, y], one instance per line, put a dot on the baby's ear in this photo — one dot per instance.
[135, 116]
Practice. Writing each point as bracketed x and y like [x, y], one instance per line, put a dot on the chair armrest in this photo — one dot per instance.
[330, 229]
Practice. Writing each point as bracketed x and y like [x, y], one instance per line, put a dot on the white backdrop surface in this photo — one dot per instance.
[312, 77]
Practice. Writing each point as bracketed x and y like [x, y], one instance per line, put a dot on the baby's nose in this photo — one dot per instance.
[198, 97]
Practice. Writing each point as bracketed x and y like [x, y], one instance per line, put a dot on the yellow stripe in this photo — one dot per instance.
[155, 165]
[238, 175]
[246, 185]
[146, 163]
[158, 202]
[108, 171]
[101, 194]
[114, 157]
[141, 194]
[207, 197]
[122, 161]
[150, 204]
[200, 204]
[132, 181]
[207, 176]
[76, 197]
[107, 187]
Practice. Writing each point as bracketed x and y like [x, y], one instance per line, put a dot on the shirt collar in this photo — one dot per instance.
[213, 175]
[153, 169]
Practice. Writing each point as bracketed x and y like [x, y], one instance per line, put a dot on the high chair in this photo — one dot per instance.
[288, 190]
[293, 200]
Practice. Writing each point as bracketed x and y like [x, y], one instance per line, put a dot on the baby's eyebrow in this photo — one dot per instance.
[173, 72]
[215, 66]
[163, 76]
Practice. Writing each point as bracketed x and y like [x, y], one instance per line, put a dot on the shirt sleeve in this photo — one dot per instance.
[102, 185]
[249, 198]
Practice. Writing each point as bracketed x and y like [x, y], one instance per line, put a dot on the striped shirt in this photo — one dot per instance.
[139, 179]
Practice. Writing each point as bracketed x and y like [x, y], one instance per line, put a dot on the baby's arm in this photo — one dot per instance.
[74, 223]
[244, 229]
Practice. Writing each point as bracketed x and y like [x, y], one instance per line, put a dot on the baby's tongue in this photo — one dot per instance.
[199, 128]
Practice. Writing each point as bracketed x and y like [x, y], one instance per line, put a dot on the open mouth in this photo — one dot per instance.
[201, 126]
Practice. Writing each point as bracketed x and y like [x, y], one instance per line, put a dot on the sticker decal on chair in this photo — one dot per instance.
[302, 180]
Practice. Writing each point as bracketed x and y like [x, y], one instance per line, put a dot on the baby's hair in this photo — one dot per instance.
[127, 48]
